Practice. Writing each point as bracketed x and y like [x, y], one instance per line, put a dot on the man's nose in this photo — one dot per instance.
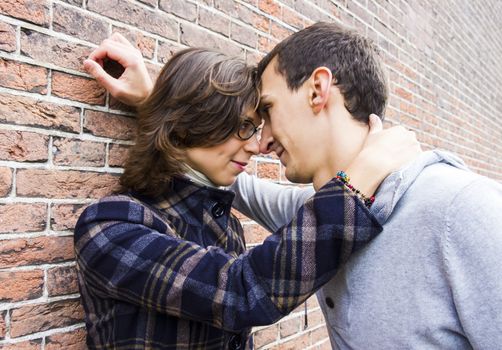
[266, 140]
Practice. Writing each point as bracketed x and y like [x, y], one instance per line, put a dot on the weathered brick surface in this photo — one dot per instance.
[191, 35]
[22, 76]
[117, 155]
[51, 50]
[3, 314]
[35, 344]
[255, 234]
[62, 280]
[27, 111]
[77, 152]
[78, 88]
[23, 146]
[21, 285]
[7, 37]
[35, 11]
[145, 44]
[74, 340]
[214, 21]
[77, 23]
[64, 184]
[290, 327]
[109, 125]
[31, 319]
[5, 181]
[37, 250]
[180, 8]
[65, 216]
[155, 22]
[167, 49]
[23, 217]
[265, 336]
[268, 171]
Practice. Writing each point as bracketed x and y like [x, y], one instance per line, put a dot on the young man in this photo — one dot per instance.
[431, 279]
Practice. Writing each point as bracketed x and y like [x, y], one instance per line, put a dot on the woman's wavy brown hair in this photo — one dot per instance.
[198, 100]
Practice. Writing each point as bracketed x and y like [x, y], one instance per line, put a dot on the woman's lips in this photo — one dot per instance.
[240, 165]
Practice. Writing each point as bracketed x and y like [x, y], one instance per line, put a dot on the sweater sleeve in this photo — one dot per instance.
[124, 252]
[472, 259]
[269, 204]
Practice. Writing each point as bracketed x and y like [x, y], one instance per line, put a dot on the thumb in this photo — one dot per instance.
[105, 79]
[376, 124]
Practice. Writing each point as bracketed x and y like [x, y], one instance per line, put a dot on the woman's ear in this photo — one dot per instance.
[320, 87]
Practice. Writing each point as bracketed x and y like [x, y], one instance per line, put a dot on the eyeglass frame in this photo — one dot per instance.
[255, 130]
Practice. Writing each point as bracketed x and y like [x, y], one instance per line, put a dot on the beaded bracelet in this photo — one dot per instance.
[343, 177]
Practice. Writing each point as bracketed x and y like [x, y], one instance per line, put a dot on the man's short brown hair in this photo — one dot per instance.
[352, 58]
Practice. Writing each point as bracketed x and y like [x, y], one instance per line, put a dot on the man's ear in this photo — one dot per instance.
[320, 87]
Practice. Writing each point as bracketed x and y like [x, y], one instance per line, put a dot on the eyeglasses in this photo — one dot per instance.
[247, 129]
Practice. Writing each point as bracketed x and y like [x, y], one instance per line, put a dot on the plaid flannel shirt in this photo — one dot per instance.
[172, 272]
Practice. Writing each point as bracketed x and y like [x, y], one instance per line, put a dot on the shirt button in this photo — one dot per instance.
[235, 342]
[330, 302]
[218, 210]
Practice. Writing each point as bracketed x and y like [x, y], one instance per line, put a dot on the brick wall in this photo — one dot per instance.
[63, 139]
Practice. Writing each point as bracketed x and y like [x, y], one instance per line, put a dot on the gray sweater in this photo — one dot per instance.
[431, 280]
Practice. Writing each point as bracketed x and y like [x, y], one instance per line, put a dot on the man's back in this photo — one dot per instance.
[431, 279]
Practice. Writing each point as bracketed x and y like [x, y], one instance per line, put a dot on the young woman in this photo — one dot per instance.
[162, 264]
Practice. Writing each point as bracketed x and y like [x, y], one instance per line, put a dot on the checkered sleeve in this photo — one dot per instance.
[125, 252]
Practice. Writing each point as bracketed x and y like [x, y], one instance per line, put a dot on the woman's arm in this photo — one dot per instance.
[125, 252]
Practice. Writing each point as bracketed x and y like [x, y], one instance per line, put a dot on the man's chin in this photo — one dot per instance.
[296, 176]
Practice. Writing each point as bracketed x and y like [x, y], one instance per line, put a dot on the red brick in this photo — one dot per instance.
[27, 111]
[292, 18]
[252, 58]
[117, 155]
[7, 37]
[166, 50]
[279, 32]
[62, 280]
[318, 334]
[128, 12]
[300, 342]
[255, 234]
[37, 250]
[291, 326]
[35, 344]
[265, 336]
[244, 35]
[214, 21]
[152, 3]
[21, 285]
[271, 7]
[73, 340]
[76, 23]
[262, 23]
[3, 314]
[5, 181]
[144, 43]
[65, 216]
[50, 50]
[192, 35]
[78, 88]
[180, 8]
[35, 11]
[78, 153]
[23, 146]
[37, 318]
[21, 76]
[23, 217]
[315, 318]
[109, 125]
[269, 171]
[265, 44]
[64, 184]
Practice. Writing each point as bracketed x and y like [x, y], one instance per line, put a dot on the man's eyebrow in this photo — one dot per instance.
[264, 99]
